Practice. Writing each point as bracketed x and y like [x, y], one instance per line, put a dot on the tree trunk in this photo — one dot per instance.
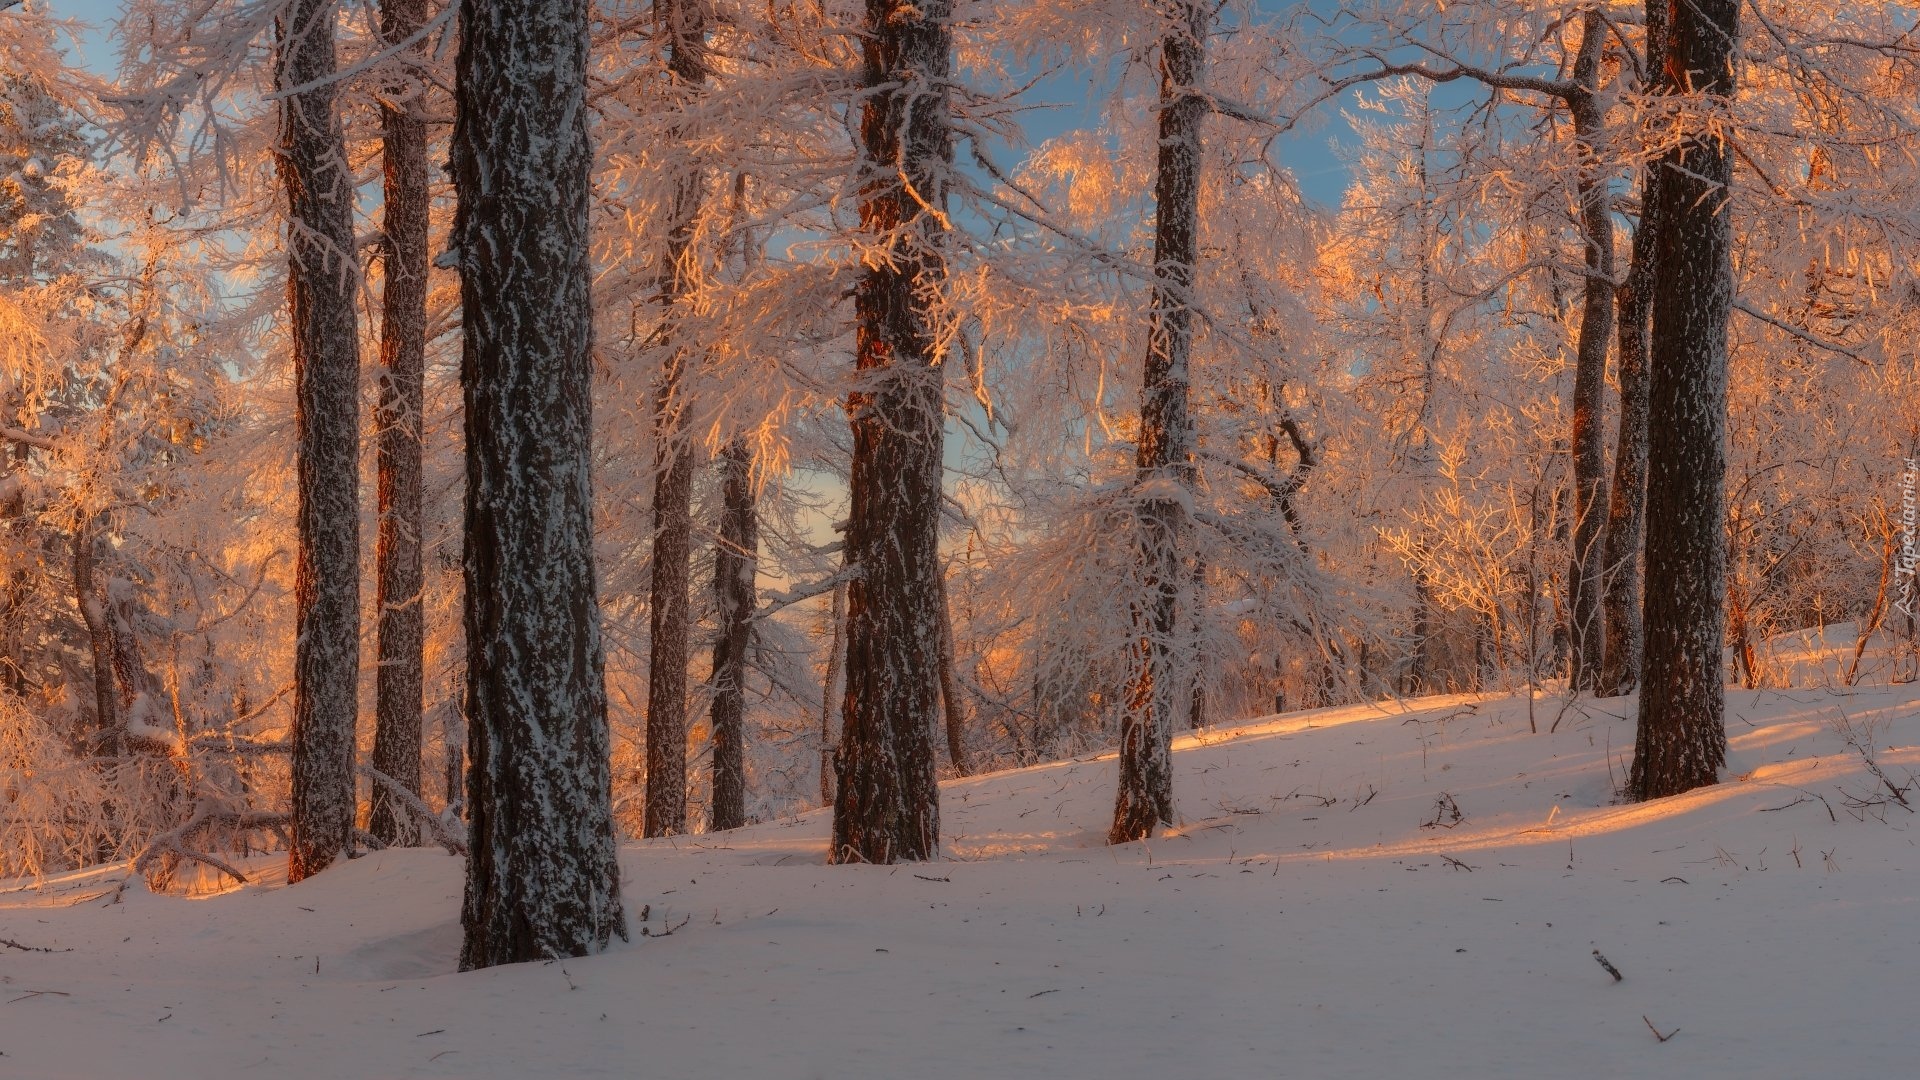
[950, 695]
[542, 881]
[322, 285]
[1419, 678]
[832, 688]
[1587, 574]
[1682, 741]
[734, 562]
[684, 27]
[887, 803]
[1164, 460]
[1626, 513]
[88, 597]
[397, 422]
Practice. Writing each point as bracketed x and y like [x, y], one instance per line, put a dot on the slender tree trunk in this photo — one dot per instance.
[87, 596]
[683, 25]
[1164, 461]
[542, 881]
[832, 687]
[1586, 576]
[1420, 670]
[322, 279]
[887, 806]
[950, 696]
[13, 583]
[1682, 742]
[1196, 656]
[1626, 513]
[734, 561]
[397, 422]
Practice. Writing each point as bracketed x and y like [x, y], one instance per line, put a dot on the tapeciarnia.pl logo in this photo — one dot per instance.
[1909, 542]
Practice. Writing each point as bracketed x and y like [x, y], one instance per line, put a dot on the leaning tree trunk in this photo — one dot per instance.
[1682, 739]
[887, 802]
[322, 280]
[397, 423]
[1626, 513]
[542, 881]
[734, 560]
[683, 23]
[1587, 574]
[1164, 465]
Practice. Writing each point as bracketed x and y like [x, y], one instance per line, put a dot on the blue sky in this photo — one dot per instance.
[1308, 153]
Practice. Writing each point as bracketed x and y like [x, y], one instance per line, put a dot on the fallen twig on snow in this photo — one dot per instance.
[12, 944]
[1611, 970]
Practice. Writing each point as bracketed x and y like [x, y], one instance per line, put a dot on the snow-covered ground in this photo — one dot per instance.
[1365, 892]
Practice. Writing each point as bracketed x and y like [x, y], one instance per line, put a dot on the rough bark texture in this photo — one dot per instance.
[887, 802]
[397, 431]
[323, 326]
[1626, 512]
[1164, 461]
[734, 561]
[1586, 576]
[541, 878]
[1681, 743]
[683, 25]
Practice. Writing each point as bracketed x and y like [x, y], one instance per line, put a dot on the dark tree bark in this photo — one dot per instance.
[90, 599]
[1586, 576]
[684, 28]
[953, 703]
[542, 881]
[1164, 466]
[734, 561]
[1626, 513]
[13, 583]
[1420, 667]
[323, 325]
[887, 801]
[1682, 742]
[397, 430]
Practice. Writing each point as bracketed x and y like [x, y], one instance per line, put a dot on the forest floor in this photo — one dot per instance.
[1377, 891]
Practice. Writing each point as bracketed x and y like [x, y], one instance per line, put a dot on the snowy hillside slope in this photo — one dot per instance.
[1360, 892]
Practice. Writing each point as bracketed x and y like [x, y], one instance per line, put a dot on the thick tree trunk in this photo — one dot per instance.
[683, 24]
[322, 280]
[887, 802]
[734, 561]
[1682, 742]
[1586, 576]
[1164, 460]
[542, 881]
[397, 424]
[1626, 512]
